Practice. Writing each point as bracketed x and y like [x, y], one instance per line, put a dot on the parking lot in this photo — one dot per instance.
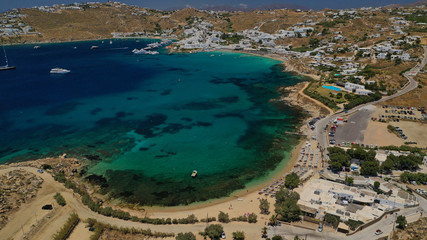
[354, 129]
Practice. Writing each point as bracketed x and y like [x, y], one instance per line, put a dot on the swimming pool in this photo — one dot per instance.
[332, 88]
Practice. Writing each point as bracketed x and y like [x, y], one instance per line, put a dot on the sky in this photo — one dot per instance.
[6, 5]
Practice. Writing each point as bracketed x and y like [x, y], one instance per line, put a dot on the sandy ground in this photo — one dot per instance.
[415, 131]
[80, 232]
[377, 133]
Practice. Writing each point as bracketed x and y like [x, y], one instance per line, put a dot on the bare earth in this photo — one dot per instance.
[377, 133]
[80, 232]
[416, 132]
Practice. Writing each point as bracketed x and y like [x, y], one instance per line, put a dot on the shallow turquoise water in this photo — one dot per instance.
[146, 122]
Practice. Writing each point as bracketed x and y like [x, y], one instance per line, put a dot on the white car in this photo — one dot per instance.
[320, 229]
[378, 232]
[223, 235]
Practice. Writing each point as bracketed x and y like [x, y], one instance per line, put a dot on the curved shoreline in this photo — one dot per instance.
[283, 167]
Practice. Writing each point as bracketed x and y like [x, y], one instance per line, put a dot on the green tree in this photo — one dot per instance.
[349, 181]
[46, 166]
[297, 238]
[273, 220]
[264, 206]
[291, 181]
[370, 168]
[332, 219]
[339, 158]
[252, 218]
[397, 61]
[214, 231]
[277, 237]
[60, 199]
[223, 217]
[387, 166]
[314, 42]
[185, 236]
[288, 210]
[377, 185]
[401, 221]
[238, 235]
[284, 194]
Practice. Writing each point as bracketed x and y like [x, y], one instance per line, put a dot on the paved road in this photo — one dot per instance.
[322, 135]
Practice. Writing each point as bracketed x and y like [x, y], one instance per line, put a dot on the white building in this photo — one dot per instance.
[360, 91]
[352, 86]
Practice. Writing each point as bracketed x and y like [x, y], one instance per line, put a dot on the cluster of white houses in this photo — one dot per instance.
[12, 25]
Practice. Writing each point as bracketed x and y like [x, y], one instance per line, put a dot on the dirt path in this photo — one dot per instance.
[80, 232]
[301, 92]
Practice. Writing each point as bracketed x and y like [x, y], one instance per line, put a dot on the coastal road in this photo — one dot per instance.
[322, 135]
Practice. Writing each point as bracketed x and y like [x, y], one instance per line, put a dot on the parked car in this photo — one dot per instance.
[378, 232]
[223, 235]
[47, 207]
[320, 229]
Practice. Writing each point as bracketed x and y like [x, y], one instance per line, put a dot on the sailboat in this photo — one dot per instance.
[6, 67]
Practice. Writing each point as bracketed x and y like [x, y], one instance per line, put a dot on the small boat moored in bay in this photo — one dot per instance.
[194, 174]
[59, 71]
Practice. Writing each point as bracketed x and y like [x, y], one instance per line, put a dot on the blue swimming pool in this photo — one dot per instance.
[332, 88]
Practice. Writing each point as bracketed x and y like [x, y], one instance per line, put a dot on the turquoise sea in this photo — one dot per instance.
[146, 122]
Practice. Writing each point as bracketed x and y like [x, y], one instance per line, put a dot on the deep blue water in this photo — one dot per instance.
[146, 122]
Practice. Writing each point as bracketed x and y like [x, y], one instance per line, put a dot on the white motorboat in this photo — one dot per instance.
[194, 174]
[59, 71]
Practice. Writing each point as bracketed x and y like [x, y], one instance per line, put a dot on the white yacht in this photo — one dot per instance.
[59, 71]
[194, 174]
